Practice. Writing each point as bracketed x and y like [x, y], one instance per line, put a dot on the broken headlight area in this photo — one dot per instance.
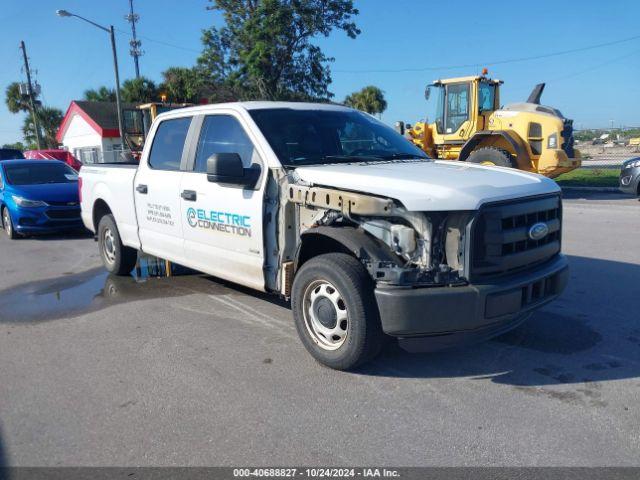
[432, 248]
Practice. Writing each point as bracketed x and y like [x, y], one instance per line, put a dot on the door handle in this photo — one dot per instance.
[142, 189]
[189, 195]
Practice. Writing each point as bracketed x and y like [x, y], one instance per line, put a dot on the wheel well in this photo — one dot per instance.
[314, 245]
[100, 209]
[497, 139]
[350, 240]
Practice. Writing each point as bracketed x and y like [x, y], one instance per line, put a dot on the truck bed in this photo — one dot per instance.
[111, 184]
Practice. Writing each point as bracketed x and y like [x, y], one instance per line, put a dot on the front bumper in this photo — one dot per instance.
[555, 162]
[482, 308]
[45, 219]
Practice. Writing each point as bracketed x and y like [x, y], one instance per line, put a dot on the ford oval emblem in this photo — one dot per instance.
[538, 231]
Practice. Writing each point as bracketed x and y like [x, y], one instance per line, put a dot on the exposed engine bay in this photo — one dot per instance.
[423, 248]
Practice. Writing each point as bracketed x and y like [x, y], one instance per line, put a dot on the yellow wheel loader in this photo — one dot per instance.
[470, 126]
[138, 120]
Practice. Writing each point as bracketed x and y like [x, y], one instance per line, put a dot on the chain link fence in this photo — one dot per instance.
[606, 155]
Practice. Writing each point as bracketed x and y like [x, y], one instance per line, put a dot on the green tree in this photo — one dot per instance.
[16, 102]
[370, 99]
[139, 90]
[265, 49]
[102, 94]
[182, 85]
[50, 119]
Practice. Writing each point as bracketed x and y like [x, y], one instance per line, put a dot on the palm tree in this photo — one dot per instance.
[102, 94]
[370, 99]
[50, 119]
[140, 90]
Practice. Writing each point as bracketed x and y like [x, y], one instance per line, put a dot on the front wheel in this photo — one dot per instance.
[8, 224]
[492, 157]
[335, 312]
[117, 258]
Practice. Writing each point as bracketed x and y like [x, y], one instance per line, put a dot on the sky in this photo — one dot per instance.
[404, 45]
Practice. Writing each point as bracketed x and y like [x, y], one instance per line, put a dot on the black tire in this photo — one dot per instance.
[492, 156]
[7, 224]
[364, 337]
[116, 258]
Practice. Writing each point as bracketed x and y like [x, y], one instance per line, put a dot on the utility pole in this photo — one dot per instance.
[135, 51]
[115, 68]
[32, 103]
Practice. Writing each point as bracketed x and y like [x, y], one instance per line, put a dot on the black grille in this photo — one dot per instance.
[535, 130]
[63, 204]
[70, 214]
[501, 241]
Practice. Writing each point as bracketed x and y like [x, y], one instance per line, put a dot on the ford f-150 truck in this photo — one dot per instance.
[330, 208]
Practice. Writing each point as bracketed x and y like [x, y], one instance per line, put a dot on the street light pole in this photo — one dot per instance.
[110, 31]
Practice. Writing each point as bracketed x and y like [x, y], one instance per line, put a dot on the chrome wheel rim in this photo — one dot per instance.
[7, 222]
[108, 246]
[325, 315]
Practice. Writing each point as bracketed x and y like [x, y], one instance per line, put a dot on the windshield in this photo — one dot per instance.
[312, 137]
[39, 173]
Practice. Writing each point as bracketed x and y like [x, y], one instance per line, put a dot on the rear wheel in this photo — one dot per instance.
[335, 312]
[7, 224]
[117, 258]
[492, 156]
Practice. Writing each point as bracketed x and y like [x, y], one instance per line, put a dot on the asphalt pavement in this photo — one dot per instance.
[188, 370]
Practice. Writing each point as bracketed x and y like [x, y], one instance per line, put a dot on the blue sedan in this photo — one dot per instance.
[38, 196]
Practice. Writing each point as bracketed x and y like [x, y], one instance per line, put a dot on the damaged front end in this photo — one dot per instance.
[423, 248]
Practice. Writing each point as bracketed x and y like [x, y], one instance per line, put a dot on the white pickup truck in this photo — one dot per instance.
[329, 207]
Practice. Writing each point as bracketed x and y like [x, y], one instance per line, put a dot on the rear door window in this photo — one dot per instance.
[168, 144]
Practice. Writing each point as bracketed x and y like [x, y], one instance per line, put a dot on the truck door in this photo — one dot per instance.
[157, 191]
[222, 223]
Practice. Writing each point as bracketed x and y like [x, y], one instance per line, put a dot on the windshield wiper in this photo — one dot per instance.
[335, 159]
[402, 156]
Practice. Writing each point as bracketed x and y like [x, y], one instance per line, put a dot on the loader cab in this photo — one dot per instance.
[462, 108]
[138, 120]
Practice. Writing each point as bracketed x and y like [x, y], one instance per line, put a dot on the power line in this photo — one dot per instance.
[498, 62]
[595, 67]
[161, 42]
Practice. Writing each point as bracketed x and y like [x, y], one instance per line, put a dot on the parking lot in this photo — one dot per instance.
[97, 370]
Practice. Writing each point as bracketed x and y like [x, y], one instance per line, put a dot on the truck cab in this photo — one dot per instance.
[333, 210]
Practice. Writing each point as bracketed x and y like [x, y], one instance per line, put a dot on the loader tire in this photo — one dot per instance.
[492, 156]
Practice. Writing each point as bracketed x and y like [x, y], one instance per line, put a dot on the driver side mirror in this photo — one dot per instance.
[427, 93]
[227, 169]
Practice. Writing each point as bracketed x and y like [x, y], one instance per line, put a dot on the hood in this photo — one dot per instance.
[48, 192]
[431, 185]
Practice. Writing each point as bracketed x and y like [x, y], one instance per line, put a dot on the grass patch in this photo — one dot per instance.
[590, 177]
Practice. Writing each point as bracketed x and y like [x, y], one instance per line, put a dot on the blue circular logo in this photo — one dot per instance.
[192, 217]
[538, 231]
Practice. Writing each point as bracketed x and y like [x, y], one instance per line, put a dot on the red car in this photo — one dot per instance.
[62, 155]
